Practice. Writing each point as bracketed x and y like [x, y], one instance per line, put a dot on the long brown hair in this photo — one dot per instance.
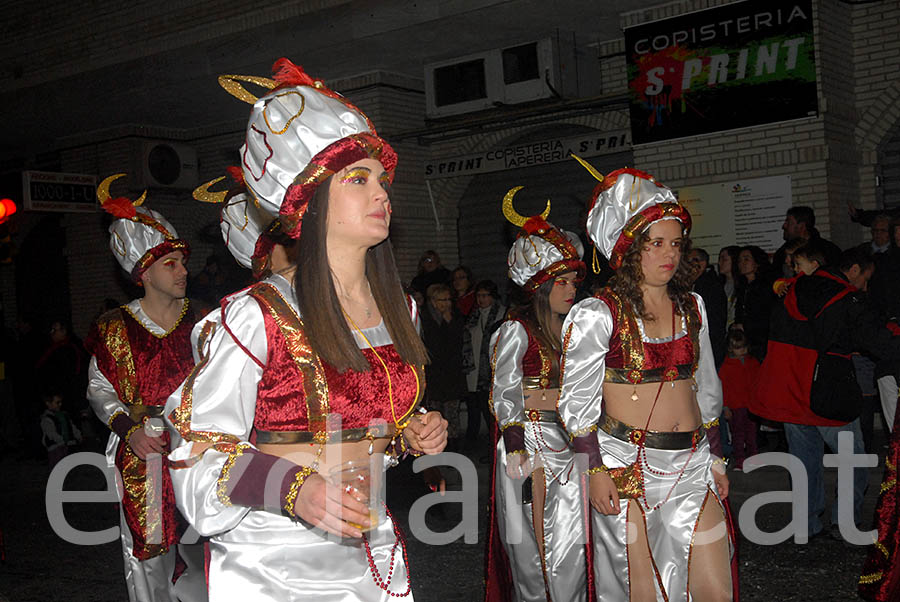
[324, 322]
[536, 313]
[626, 282]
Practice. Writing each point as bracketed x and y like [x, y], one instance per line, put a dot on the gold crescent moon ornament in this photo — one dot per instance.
[232, 85]
[203, 193]
[510, 213]
[103, 187]
[591, 169]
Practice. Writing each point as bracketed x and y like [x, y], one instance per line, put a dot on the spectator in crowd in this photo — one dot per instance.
[807, 259]
[29, 348]
[790, 247]
[800, 222]
[807, 381]
[60, 434]
[431, 271]
[754, 298]
[463, 291]
[63, 367]
[728, 276]
[487, 315]
[210, 284]
[442, 331]
[709, 287]
[738, 374]
[884, 296]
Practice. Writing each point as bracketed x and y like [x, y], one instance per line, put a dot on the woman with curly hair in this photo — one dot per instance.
[536, 511]
[641, 401]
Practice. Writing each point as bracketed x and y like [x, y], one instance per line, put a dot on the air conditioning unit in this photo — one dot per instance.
[166, 164]
[544, 68]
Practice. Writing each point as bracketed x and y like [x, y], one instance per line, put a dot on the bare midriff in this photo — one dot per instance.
[675, 411]
[541, 399]
[333, 454]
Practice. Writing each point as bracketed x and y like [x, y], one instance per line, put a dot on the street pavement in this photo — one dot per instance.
[39, 566]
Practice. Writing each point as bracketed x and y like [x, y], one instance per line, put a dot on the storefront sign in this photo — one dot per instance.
[531, 154]
[737, 65]
[51, 191]
[740, 212]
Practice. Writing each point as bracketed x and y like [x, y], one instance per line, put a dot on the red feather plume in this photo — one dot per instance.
[120, 207]
[236, 173]
[286, 72]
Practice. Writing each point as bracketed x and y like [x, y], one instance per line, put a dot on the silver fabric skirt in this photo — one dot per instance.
[562, 574]
[270, 558]
[670, 527]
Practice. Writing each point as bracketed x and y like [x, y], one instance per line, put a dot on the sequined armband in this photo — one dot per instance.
[222, 488]
[131, 431]
[290, 499]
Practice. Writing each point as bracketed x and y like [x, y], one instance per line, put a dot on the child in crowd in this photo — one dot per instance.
[60, 433]
[808, 259]
[738, 374]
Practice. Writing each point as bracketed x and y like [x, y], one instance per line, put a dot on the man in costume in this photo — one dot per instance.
[140, 353]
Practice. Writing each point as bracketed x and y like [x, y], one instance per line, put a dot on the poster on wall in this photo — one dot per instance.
[732, 66]
[739, 212]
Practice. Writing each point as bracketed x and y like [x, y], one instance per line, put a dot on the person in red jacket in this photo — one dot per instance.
[738, 374]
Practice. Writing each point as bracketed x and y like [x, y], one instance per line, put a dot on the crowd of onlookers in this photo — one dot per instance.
[740, 287]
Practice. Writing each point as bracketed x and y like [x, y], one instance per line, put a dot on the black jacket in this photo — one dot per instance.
[710, 288]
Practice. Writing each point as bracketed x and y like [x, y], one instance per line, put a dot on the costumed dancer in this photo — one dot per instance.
[641, 398]
[537, 529]
[880, 579]
[318, 365]
[140, 353]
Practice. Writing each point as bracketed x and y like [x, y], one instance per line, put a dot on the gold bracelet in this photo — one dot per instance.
[721, 461]
[291, 498]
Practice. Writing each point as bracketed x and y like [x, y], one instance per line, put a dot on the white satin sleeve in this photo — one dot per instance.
[709, 387]
[218, 403]
[414, 313]
[508, 345]
[586, 333]
[102, 395]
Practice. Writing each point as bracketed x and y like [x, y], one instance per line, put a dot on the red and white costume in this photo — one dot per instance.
[135, 365]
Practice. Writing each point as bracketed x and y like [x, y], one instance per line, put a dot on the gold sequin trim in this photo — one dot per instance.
[131, 431]
[517, 452]
[493, 370]
[583, 431]
[181, 416]
[291, 498]
[184, 308]
[882, 548]
[597, 470]
[293, 117]
[315, 384]
[115, 413]
[509, 424]
[114, 334]
[225, 475]
[562, 360]
[867, 579]
[711, 423]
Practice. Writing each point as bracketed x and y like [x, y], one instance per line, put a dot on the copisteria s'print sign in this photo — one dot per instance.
[529, 154]
[737, 65]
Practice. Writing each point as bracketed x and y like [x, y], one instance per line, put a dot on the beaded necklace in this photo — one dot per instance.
[642, 450]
